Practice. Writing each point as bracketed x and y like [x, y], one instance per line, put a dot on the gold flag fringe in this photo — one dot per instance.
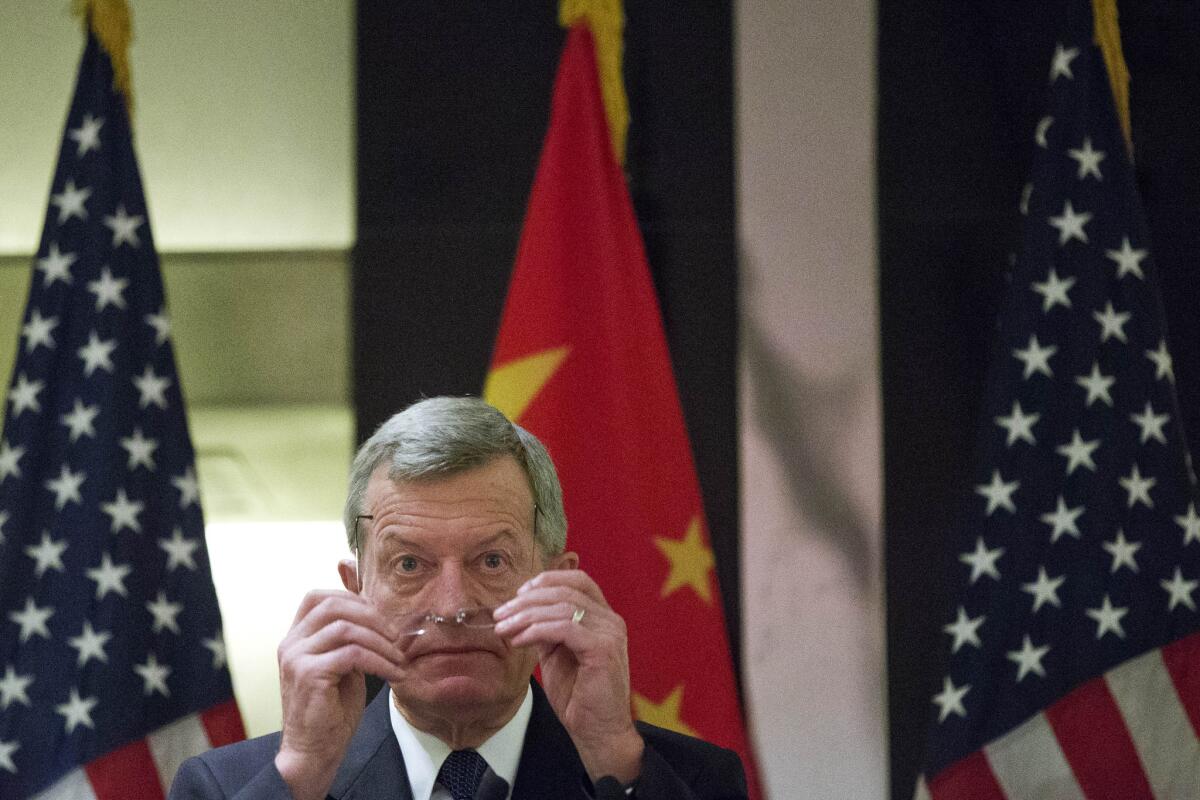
[1107, 35]
[606, 18]
[112, 25]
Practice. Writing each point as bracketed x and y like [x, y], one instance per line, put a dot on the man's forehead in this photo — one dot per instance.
[499, 487]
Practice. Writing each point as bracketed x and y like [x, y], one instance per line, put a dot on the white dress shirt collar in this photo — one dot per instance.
[424, 752]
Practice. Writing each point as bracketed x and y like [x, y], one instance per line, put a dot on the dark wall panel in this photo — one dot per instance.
[453, 102]
[961, 86]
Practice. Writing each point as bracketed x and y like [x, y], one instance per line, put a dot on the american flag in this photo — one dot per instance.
[112, 665]
[1073, 666]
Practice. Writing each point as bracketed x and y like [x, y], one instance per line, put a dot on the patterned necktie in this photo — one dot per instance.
[461, 773]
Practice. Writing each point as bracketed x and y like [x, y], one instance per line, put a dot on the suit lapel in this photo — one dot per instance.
[550, 766]
[373, 768]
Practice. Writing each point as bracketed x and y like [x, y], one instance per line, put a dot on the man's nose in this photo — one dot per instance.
[451, 589]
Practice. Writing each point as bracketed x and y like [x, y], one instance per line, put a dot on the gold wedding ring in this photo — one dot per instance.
[577, 617]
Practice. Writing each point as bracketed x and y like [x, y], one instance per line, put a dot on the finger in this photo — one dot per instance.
[316, 596]
[521, 618]
[574, 578]
[554, 632]
[349, 607]
[551, 595]
[342, 632]
[339, 662]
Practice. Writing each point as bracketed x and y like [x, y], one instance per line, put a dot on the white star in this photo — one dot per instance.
[152, 388]
[90, 644]
[109, 577]
[1180, 591]
[124, 227]
[154, 676]
[10, 458]
[1078, 452]
[23, 396]
[70, 202]
[189, 489]
[87, 135]
[12, 688]
[66, 487]
[77, 711]
[1028, 659]
[1108, 618]
[56, 266]
[37, 331]
[47, 553]
[1062, 520]
[140, 449]
[1070, 224]
[123, 512]
[949, 700]
[1128, 260]
[1190, 522]
[1043, 127]
[1089, 159]
[108, 290]
[6, 752]
[3, 519]
[1060, 67]
[1138, 487]
[1151, 424]
[1036, 358]
[97, 354]
[1162, 362]
[964, 630]
[1019, 425]
[1112, 323]
[161, 324]
[982, 561]
[998, 493]
[217, 646]
[32, 620]
[1053, 290]
[1026, 195]
[1097, 385]
[164, 613]
[80, 420]
[179, 550]
[1044, 589]
[1122, 552]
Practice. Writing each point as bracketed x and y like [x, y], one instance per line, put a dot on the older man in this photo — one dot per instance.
[461, 584]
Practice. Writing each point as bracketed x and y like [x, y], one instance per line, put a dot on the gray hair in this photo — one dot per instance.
[441, 436]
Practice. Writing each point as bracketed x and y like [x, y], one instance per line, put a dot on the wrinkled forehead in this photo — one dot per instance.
[483, 500]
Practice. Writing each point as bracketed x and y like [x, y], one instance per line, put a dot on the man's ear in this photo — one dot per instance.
[348, 570]
[566, 560]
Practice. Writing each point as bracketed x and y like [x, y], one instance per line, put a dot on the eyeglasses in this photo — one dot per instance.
[463, 621]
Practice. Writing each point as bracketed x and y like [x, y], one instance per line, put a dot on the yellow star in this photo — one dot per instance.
[664, 714]
[512, 386]
[691, 560]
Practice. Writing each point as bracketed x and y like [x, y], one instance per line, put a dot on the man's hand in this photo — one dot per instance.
[585, 666]
[335, 638]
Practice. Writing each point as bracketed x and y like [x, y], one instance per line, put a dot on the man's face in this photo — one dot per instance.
[465, 541]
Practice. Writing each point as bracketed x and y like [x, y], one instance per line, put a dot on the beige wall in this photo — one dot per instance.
[244, 119]
[811, 427]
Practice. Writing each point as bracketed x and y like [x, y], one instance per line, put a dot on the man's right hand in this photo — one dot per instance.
[336, 638]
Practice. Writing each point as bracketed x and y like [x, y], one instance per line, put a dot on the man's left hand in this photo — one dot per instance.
[584, 657]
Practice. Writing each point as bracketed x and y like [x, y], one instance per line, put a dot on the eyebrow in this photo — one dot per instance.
[390, 541]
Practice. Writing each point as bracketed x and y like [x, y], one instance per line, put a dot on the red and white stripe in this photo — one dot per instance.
[1131, 734]
[143, 770]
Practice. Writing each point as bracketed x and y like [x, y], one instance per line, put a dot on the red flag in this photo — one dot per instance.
[581, 360]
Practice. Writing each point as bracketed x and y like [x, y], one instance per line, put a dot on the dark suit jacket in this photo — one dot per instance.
[674, 767]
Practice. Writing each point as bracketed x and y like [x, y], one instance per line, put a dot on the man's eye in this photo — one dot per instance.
[493, 561]
[408, 564]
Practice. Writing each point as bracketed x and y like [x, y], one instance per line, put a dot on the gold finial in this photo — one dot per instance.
[606, 19]
[1107, 35]
[112, 25]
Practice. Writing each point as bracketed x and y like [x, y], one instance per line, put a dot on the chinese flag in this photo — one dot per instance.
[581, 361]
